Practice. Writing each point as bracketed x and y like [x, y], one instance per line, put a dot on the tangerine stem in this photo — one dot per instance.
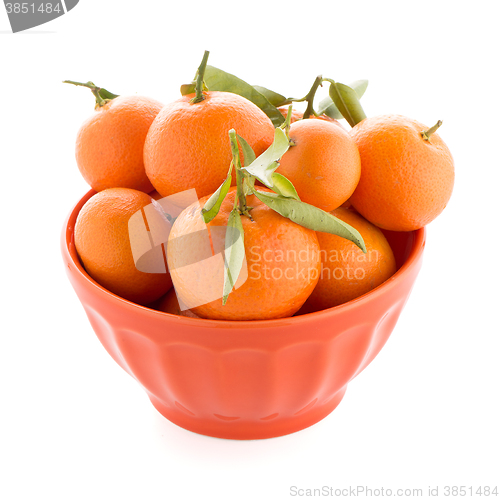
[286, 125]
[310, 97]
[242, 199]
[100, 100]
[240, 193]
[426, 134]
[199, 79]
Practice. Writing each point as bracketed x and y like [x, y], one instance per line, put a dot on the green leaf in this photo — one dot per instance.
[248, 185]
[311, 217]
[347, 102]
[282, 186]
[274, 98]
[219, 80]
[213, 204]
[248, 152]
[359, 86]
[327, 107]
[106, 94]
[264, 166]
[188, 88]
[248, 158]
[102, 96]
[234, 252]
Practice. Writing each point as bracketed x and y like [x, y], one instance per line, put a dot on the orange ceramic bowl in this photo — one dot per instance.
[246, 379]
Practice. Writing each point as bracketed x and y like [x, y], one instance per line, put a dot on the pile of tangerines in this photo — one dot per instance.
[289, 208]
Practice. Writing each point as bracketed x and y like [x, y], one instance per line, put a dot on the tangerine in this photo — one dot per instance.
[103, 243]
[169, 303]
[187, 147]
[323, 163]
[299, 115]
[347, 272]
[110, 143]
[407, 176]
[282, 263]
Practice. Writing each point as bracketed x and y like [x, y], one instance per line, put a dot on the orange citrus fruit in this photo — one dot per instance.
[188, 145]
[406, 180]
[103, 243]
[323, 164]
[347, 272]
[299, 115]
[282, 263]
[170, 304]
[296, 114]
[110, 143]
[155, 195]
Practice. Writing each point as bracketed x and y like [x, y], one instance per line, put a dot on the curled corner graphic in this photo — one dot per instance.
[70, 4]
[26, 15]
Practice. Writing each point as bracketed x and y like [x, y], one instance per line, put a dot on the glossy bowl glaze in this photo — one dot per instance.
[246, 379]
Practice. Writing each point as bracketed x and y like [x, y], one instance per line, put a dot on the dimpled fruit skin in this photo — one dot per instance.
[103, 245]
[347, 272]
[405, 181]
[323, 165]
[188, 143]
[282, 261]
[299, 115]
[170, 304]
[110, 143]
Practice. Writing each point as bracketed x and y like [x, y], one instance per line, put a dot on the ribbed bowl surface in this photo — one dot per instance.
[246, 379]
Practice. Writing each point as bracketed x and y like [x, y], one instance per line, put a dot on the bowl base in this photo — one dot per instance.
[250, 429]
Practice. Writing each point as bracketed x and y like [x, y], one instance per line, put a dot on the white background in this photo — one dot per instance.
[425, 413]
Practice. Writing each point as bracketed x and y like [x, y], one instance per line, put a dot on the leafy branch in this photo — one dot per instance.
[282, 198]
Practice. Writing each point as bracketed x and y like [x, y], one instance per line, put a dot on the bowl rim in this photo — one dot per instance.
[411, 262]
